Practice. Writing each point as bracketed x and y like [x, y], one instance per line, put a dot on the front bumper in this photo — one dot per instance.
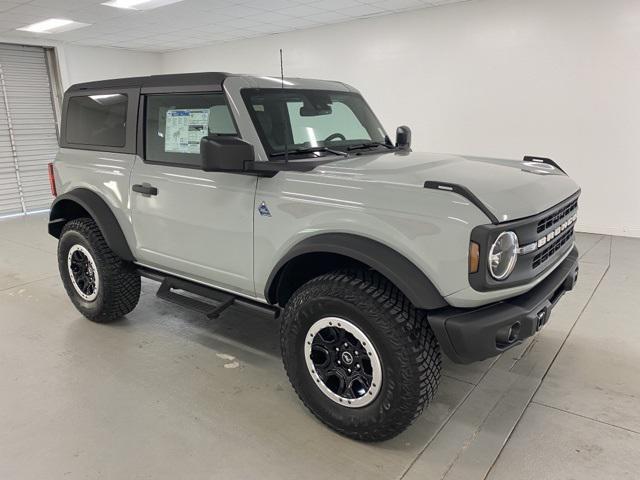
[468, 335]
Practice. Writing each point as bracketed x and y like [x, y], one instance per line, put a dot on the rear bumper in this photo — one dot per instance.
[469, 335]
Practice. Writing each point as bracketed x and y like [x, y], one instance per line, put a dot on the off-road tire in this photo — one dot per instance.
[408, 350]
[119, 285]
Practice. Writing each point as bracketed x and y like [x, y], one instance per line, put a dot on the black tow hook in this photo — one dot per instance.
[571, 281]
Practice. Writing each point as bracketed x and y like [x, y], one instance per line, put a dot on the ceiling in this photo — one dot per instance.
[189, 23]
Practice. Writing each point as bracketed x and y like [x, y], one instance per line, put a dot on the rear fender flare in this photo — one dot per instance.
[65, 208]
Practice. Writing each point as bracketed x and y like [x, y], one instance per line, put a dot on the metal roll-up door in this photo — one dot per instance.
[28, 133]
[10, 198]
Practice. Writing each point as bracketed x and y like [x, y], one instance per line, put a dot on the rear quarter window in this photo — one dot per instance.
[98, 120]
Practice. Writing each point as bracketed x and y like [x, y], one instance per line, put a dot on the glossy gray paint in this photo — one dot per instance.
[89, 202]
[206, 227]
[200, 225]
[400, 271]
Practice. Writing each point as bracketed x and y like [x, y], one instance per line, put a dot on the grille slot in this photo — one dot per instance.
[550, 251]
[557, 216]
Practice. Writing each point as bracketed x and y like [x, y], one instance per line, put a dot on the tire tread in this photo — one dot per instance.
[408, 332]
[120, 281]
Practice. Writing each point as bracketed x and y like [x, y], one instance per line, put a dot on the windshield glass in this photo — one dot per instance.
[312, 119]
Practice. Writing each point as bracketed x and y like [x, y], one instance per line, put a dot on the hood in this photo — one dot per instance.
[510, 189]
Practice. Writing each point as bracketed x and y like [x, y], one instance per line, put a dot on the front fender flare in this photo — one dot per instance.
[65, 208]
[400, 271]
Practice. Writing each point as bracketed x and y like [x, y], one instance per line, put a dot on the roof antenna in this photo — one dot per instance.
[286, 148]
[281, 70]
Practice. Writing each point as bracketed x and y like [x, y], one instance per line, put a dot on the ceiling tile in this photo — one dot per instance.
[68, 5]
[331, 17]
[339, 4]
[100, 13]
[269, 28]
[213, 28]
[191, 22]
[270, 4]
[436, 3]
[298, 23]
[270, 17]
[38, 11]
[210, 5]
[246, 22]
[398, 5]
[362, 10]
[79, 34]
[301, 10]
[4, 6]
[242, 11]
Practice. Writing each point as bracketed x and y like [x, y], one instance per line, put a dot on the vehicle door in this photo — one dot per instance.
[188, 222]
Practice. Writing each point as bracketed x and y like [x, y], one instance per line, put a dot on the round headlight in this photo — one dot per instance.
[503, 255]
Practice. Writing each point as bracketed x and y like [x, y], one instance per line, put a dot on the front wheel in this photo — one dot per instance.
[100, 284]
[359, 355]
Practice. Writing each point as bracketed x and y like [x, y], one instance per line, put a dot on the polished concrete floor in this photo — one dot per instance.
[166, 394]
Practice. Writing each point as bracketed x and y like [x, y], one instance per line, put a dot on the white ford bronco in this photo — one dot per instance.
[287, 195]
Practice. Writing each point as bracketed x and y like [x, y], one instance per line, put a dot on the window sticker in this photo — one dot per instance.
[184, 128]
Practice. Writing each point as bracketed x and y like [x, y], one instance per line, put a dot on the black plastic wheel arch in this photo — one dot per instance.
[64, 208]
[400, 271]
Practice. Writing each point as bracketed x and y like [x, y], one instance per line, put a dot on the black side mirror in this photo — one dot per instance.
[225, 154]
[403, 138]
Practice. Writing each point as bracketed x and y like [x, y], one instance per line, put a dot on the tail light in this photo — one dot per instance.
[52, 180]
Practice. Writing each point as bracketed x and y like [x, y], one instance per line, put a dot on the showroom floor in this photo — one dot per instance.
[165, 392]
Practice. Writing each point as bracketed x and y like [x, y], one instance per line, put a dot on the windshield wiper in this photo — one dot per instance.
[361, 146]
[309, 150]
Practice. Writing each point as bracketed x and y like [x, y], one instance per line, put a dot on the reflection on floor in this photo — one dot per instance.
[167, 394]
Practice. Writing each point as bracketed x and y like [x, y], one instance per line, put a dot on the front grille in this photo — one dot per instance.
[557, 216]
[545, 238]
[551, 250]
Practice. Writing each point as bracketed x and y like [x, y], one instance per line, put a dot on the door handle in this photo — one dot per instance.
[145, 189]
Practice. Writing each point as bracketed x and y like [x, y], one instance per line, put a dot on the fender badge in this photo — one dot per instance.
[264, 210]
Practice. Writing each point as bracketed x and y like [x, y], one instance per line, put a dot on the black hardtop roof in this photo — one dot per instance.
[210, 80]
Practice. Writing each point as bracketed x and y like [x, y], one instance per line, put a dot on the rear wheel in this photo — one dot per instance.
[100, 284]
[359, 355]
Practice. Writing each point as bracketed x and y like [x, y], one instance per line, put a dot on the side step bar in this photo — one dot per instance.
[223, 300]
[218, 302]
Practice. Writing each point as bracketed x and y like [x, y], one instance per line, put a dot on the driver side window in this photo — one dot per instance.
[176, 123]
[341, 120]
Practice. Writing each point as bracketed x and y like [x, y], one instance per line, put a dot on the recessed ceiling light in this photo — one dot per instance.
[53, 25]
[139, 4]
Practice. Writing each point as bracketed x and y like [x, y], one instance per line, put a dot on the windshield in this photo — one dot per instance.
[310, 122]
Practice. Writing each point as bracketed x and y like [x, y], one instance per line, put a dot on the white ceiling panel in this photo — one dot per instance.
[363, 10]
[189, 23]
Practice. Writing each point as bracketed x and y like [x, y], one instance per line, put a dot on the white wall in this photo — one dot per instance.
[490, 77]
[83, 64]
